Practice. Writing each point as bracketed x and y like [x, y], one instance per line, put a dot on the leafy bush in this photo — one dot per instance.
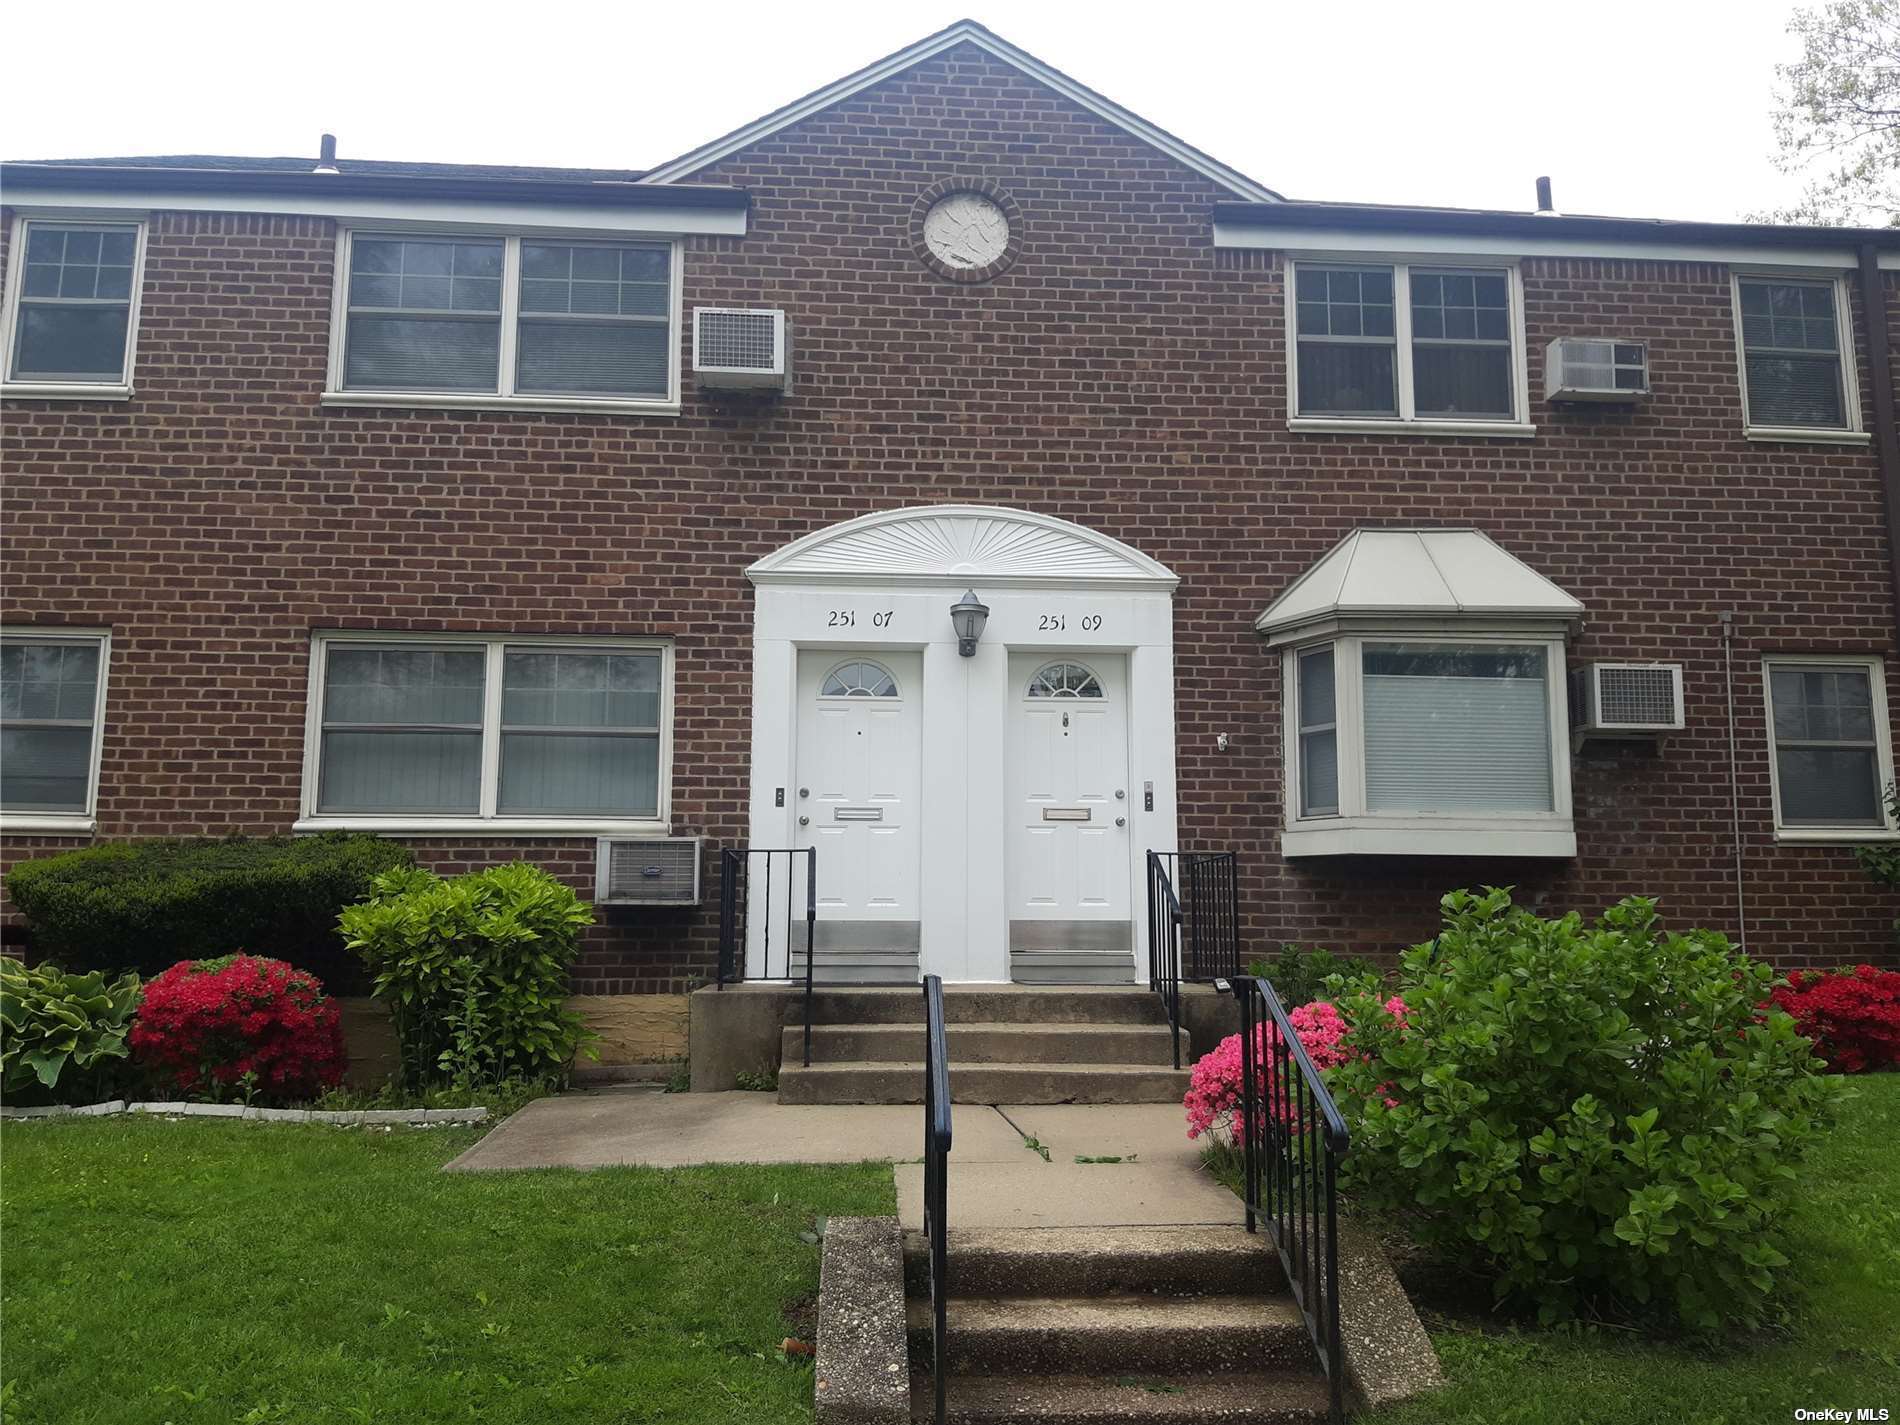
[145, 905]
[62, 1037]
[1852, 1015]
[1300, 976]
[1599, 1115]
[240, 1026]
[474, 971]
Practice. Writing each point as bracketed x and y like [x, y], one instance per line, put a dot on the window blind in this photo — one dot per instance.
[1450, 730]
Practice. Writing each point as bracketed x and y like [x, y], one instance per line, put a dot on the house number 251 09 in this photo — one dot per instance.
[1057, 623]
[848, 618]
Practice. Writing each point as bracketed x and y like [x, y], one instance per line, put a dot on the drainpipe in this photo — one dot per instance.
[1734, 778]
[1873, 302]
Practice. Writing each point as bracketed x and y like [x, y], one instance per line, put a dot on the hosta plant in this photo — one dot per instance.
[474, 971]
[240, 1027]
[62, 1036]
[1598, 1115]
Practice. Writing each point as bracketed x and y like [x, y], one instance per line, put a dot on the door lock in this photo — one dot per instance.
[1119, 794]
[803, 792]
[1121, 821]
[804, 821]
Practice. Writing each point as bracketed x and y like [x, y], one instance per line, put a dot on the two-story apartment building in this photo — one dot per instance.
[397, 496]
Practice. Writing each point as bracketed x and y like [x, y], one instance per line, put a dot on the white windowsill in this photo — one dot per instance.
[440, 401]
[1836, 836]
[1324, 425]
[484, 826]
[12, 823]
[65, 391]
[1552, 839]
[1795, 433]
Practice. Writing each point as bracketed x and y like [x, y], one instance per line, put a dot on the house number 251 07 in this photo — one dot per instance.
[848, 618]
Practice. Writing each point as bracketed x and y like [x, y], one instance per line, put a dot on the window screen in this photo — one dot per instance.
[402, 730]
[1453, 728]
[1791, 355]
[75, 304]
[580, 733]
[49, 700]
[1827, 762]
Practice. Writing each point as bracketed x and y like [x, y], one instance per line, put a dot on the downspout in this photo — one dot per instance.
[1873, 302]
[1734, 778]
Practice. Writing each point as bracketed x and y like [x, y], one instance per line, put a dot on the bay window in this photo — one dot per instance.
[471, 320]
[475, 734]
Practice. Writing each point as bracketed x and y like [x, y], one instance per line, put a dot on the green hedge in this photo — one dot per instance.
[146, 905]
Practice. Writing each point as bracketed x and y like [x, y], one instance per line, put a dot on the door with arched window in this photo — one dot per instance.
[1069, 813]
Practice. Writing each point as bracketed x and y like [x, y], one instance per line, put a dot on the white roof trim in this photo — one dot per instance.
[981, 545]
[963, 32]
[1413, 573]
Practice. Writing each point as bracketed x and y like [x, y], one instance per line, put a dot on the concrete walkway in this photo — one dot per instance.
[999, 1176]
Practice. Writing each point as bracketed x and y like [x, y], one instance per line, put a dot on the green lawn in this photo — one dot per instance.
[1841, 1349]
[235, 1273]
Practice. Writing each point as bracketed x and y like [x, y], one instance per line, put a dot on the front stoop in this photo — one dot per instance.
[1009, 1044]
[1087, 1326]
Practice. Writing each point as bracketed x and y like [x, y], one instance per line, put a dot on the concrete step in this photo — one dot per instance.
[897, 1082]
[1127, 1398]
[1115, 1335]
[986, 1043]
[1100, 1261]
[1072, 967]
[989, 1004]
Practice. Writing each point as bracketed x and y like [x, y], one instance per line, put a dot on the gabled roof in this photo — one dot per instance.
[1414, 573]
[965, 32]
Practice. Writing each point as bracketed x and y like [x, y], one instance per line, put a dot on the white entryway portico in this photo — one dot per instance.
[968, 810]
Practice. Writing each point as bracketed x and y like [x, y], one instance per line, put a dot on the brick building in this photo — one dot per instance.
[353, 494]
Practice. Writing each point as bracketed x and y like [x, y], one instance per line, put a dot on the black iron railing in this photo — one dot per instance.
[1208, 888]
[1164, 943]
[1293, 1137]
[777, 905]
[936, 1177]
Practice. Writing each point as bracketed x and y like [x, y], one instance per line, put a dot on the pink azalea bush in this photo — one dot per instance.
[1213, 1097]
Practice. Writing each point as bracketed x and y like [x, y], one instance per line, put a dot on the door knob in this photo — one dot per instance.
[1120, 793]
[1121, 821]
[804, 821]
[804, 791]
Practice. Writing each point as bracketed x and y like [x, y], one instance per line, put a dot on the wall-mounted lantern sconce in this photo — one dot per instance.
[967, 616]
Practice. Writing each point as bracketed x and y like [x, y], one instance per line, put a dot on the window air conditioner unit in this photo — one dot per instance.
[1625, 699]
[740, 349]
[649, 870]
[1579, 368]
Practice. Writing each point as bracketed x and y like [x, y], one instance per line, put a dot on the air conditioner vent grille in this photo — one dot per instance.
[648, 871]
[1637, 697]
[747, 341]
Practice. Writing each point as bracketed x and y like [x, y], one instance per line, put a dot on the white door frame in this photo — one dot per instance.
[887, 581]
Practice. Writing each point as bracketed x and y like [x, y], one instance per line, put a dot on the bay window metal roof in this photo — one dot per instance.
[1414, 574]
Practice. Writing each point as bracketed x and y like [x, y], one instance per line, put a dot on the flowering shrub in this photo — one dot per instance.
[240, 1025]
[1599, 1116]
[1214, 1089]
[1853, 1016]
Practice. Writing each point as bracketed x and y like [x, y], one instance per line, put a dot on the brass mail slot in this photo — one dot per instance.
[857, 814]
[1068, 813]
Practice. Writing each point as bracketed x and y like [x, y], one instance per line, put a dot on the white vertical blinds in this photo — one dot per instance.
[580, 733]
[1450, 729]
[402, 730]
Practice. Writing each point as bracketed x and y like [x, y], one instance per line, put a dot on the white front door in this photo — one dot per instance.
[1069, 810]
[859, 743]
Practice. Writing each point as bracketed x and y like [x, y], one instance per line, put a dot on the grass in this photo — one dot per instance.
[245, 1273]
[1839, 1347]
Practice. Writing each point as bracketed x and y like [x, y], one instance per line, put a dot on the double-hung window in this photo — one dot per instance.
[457, 320]
[473, 734]
[52, 703]
[1796, 357]
[72, 308]
[1828, 731]
[1431, 347]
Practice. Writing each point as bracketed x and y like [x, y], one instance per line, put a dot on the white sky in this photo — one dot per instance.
[1645, 108]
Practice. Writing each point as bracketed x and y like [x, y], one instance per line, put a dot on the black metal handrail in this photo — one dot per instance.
[936, 1175]
[1208, 885]
[1164, 944]
[735, 907]
[1292, 1136]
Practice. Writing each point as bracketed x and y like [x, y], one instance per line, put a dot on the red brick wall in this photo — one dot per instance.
[1118, 375]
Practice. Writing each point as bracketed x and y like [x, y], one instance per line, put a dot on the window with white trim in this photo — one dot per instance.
[1827, 729]
[52, 703]
[467, 731]
[72, 307]
[510, 318]
[1403, 731]
[1795, 342]
[1425, 343]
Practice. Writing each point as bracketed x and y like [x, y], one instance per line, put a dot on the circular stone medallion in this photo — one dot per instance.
[966, 231]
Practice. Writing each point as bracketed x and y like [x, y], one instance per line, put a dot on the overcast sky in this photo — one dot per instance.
[1645, 108]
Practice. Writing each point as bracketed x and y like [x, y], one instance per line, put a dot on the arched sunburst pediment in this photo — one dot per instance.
[961, 544]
